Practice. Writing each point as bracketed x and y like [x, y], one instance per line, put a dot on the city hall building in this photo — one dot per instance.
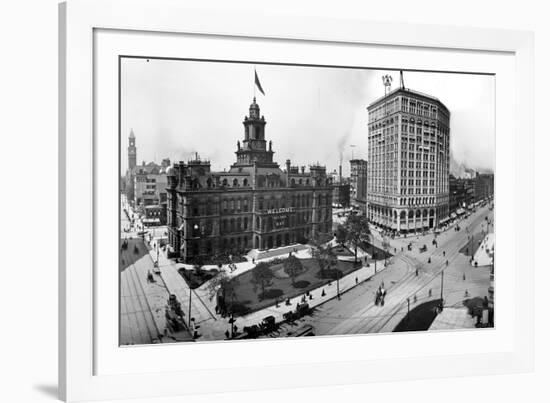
[408, 161]
[253, 205]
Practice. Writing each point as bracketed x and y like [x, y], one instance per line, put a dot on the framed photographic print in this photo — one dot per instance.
[242, 202]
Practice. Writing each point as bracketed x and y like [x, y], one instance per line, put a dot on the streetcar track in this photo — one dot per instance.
[452, 252]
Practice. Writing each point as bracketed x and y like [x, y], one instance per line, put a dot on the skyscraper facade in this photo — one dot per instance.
[358, 182]
[408, 161]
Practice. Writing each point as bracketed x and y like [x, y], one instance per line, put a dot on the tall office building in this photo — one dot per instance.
[358, 181]
[408, 160]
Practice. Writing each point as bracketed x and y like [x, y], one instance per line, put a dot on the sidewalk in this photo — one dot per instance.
[452, 319]
[485, 251]
[213, 326]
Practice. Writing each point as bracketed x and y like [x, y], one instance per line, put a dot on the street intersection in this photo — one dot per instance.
[410, 277]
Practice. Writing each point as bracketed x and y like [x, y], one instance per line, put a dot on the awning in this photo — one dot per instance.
[180, 227]
[151, 220]
[453, 215]
[460, 211]
[444, 220]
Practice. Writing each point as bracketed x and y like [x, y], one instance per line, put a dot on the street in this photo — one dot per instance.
[356, 312]
[412, 275]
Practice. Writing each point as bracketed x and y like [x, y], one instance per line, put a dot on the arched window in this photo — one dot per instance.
[245, 182]
[224, 182]
[235, 182]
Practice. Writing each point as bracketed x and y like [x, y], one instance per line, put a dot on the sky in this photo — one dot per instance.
[313, 114]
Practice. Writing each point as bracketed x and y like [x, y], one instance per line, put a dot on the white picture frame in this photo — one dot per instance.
[92, 367]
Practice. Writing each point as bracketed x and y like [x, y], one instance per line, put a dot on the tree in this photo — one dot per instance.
[341, 234]
[358, 231]
[293, 267]
[223, 287]
[324, 255]
[262, 275]
[198, 263]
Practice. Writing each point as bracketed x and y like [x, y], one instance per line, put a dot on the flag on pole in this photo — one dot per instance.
[257, 81]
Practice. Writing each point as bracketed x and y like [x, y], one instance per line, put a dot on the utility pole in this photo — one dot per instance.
[442, 271]
[338, 284]
[372, 245]
[189, 317]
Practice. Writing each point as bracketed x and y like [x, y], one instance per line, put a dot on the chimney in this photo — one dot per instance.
[340, 173]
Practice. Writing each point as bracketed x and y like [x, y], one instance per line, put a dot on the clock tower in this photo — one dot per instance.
[132, 151]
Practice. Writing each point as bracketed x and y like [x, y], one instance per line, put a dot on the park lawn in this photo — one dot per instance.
[378, 253]
[342, 251]
[131, 255]
[197, 278]
[247, 294]
[470, 248]
[420, 317]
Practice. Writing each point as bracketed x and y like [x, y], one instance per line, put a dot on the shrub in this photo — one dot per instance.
[271, 293]
[301, 284]
[331, 274]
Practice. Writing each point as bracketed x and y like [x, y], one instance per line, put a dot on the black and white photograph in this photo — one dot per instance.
[264, 201]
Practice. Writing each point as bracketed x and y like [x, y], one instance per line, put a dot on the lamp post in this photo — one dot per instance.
[441, 296]
[338, 284]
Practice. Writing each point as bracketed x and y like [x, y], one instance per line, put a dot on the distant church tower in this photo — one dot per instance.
[132, 151]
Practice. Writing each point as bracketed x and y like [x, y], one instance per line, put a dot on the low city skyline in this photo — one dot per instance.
[192, 105]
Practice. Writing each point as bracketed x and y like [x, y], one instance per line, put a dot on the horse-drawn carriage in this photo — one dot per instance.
[380, 296]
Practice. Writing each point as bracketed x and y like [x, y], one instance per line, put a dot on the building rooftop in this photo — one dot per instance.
[406, 91]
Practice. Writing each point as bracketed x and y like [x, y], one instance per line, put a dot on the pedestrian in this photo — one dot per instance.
[430, 292]
[416, 272]
[356, 280]
[446, 263]
[443, 253]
